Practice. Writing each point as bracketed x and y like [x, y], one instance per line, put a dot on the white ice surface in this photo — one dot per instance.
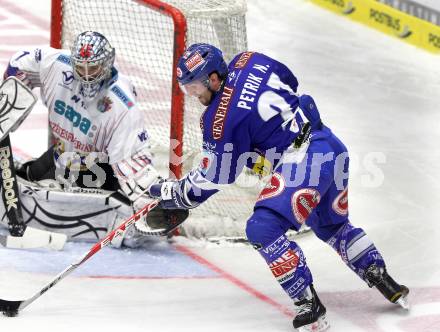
[378, 94]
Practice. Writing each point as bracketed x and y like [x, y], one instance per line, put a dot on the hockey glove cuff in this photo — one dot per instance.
[172, 194]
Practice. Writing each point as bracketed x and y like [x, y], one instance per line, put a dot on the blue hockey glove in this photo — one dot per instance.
[172, 195]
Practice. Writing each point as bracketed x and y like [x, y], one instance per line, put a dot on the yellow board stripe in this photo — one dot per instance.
[388, 20]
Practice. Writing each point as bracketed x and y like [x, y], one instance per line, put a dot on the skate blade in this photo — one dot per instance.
[319, 326]
[403, 302]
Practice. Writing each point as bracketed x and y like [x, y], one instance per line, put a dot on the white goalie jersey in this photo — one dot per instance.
[109, 127]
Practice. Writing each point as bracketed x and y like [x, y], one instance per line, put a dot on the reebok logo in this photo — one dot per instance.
[8, 180]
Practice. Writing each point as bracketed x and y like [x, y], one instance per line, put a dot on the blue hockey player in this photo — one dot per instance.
[253, 112]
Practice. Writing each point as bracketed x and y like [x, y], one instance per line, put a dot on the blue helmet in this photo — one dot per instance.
[199, 61]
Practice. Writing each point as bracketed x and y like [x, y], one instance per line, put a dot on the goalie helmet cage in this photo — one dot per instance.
[149, 37]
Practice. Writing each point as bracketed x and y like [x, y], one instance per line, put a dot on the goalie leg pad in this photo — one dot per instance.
[266, 231]
[36, 238]
[356, 249]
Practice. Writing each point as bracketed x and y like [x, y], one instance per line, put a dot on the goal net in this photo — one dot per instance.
[149, 36]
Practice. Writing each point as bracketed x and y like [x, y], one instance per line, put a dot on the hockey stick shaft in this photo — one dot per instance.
[6, 305]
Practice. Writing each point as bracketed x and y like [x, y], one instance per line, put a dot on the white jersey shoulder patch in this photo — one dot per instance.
[124, 91]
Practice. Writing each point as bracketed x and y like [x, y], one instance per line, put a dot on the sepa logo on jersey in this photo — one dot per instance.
[73, 116]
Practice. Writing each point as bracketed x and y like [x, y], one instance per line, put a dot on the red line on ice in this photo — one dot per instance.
[151, 277]
[247, 288]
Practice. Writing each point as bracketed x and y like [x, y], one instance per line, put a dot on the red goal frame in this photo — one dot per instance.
[177, 102]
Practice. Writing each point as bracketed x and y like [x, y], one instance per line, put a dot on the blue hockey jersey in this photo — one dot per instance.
[255, 114]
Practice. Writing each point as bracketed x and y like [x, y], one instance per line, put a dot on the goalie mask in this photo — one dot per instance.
[92, 59]
[196, 64]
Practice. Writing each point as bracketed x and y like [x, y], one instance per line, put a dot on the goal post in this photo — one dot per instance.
[149, 37]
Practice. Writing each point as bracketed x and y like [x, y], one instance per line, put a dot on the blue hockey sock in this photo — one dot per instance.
[288, 265]
[356, 249]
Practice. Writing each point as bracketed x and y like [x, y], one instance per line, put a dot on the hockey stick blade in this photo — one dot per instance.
[11, 308]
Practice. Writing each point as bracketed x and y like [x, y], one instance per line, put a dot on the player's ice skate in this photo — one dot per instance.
[403, 302]
[311, 313]
[393, 292]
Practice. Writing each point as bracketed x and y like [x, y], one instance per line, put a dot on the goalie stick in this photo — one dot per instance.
[11, 308]
[9, 190]
[16, 102]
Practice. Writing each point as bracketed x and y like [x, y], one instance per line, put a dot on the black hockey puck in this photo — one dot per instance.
[10, 313]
